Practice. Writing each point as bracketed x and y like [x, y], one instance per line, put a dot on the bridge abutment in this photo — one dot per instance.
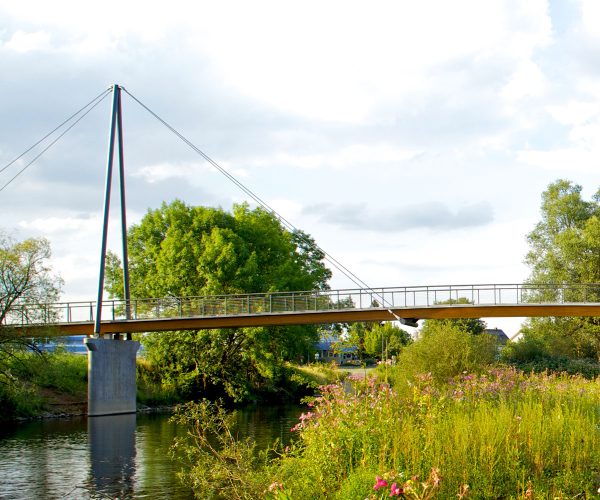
[111, 376]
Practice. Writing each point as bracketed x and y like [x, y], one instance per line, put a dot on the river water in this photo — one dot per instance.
[123, 456]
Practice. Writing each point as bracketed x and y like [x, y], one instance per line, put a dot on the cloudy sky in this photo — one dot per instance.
[412, 139]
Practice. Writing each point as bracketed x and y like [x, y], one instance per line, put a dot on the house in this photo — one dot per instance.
[329, 349]
[498, 334]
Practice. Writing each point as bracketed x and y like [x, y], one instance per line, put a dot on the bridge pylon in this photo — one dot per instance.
[112, 361]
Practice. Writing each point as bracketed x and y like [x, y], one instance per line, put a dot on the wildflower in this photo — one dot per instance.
[379, 483]
[274, 486]
[396, 491]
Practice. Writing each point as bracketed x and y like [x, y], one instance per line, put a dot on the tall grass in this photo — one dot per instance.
[25, 373]
[503, 434]
[500, 434]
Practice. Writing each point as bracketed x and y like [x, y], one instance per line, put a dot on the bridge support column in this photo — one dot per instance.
[111, 376]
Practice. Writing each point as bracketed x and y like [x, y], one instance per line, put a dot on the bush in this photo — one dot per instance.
[444, 350]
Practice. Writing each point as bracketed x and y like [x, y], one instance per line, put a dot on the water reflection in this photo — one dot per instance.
[112, 454]
[100, 457]
[124, 456]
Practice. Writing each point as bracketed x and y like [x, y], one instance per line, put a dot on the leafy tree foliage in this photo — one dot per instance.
[471, 325]
[445, 350]
[180, 250]
[25, 277]
[387, 337]
[565, 248]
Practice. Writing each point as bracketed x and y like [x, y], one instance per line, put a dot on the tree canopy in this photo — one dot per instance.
[565, 248]
[470, 325]
[181, 250]
[25, 276]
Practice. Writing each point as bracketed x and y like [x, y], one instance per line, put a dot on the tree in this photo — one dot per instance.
[384, 340]
[25, 278]
[180, 250]
[445, 350]
[565, 248]
[471, 325]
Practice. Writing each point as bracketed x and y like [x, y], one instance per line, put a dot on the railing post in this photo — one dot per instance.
[225, 305]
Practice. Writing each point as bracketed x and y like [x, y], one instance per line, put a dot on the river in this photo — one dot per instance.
[124, 456]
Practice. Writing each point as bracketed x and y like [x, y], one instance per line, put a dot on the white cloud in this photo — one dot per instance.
[527, 81]
[53, 225]
[23, 42]
[340, 60]
[590, 10]
[574, 112]
[566, 161]
[162, 171]
[356, 155]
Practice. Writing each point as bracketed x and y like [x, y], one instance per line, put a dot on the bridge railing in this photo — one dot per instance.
[286, 302]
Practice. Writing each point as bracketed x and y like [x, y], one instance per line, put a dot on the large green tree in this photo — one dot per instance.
[565, 248]
[180, 250]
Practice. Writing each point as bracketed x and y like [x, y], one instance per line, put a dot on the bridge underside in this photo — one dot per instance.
[334, 316]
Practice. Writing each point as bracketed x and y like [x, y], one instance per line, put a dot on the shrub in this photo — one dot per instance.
[444, 350]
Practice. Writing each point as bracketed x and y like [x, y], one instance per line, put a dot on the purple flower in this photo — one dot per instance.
[379, 483]
[396, 491]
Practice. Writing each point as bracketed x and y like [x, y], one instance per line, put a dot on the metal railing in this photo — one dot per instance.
[286, 302]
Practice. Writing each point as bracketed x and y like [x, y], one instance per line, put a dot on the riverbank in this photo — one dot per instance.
[498, 434]
[54, 385]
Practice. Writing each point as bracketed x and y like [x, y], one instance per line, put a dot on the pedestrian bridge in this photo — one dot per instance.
[409, 304]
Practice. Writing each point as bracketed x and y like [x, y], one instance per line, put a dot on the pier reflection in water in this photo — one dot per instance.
[112, 454]
[123, 456]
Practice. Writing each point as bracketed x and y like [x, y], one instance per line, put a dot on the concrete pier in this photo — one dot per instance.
[111, 376]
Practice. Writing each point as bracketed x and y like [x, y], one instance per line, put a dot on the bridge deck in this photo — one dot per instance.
[341, 316]
[313, 307]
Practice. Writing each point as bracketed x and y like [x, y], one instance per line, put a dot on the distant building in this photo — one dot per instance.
[329, 350]
[73, 344]
[498, 334]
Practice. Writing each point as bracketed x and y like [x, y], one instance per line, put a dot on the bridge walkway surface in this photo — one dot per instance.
[314, 307]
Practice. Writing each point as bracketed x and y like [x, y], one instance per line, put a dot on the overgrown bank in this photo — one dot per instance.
[498, 434]
[55, 384]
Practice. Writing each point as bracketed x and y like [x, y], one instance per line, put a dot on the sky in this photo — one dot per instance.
[412, 140]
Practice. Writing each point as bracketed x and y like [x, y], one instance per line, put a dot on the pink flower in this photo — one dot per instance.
[396, 491]
[379, 483]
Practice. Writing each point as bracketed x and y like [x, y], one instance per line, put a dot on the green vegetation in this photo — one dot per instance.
[177, 251]
[25, 277]
[498, 434]
[444, 350]
[565, 248]
[375, 340]
[48, 382]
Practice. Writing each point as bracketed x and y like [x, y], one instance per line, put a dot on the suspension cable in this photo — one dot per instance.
[102, 95]
[95, 102]
[338, 265]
